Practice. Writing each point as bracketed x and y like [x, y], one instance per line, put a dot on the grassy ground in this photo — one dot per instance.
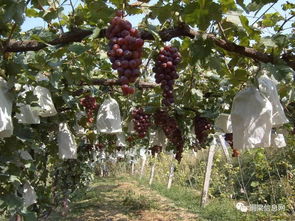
[123, 199]
[128, 198]
[216, 210]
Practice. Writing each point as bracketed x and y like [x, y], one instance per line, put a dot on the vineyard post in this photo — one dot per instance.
[132, 167]
[153, 170]
[224, 148]
[207, 175]
[142, 167]
[171, 174]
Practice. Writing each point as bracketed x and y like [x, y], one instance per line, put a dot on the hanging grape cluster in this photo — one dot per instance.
[141, 122]
[173, 133]
[99, 146]
[90, 105]
[165, 69]
[229, 139]
[156, 149]
[203, 127]
[125, 50]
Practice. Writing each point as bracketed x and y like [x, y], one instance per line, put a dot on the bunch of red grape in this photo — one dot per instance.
[165, 70]
[88, 147]
[99, 146]
[171, 129]
[90, 105]
[156, 149]
[229, 139]
[141, 122]
[235, 153]
[203, 127]
[125, 50]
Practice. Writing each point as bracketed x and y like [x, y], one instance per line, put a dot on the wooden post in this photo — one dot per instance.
[153, 170]
[101, 168]
[142, 167]
[224, 148]
[171, 175]
[207, 175]
[132, 167]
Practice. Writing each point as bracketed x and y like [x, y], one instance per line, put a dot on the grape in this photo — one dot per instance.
[141, 122]
[99, 146]
[229, 139]
[172, 132]
[165, 73]
[90, 105]
[156, 149]
[235, 153]
[203, 127]
[125, 50]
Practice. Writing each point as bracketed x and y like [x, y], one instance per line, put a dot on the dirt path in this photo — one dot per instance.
[116, 200]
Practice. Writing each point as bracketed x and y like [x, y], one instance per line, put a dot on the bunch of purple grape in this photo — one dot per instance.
[203, 127]
[165, 69]
[171, 129]
[141, 122]
[125, 49]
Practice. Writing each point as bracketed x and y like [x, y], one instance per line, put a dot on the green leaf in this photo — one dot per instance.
[233, 17]
[271, 19]
[95, 33]
[30, 216]
[202, 14]
[30, 12]
[117, 3]
[78, 48]
[254, 183]
[268, 42]
[200, 49]
[13, 179]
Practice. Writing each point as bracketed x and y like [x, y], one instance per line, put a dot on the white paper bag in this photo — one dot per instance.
[120, 154]
[29, 195]
[6, 126]
[121, 142]
[45, 102]
[223, 123]
[66, 143]
[130, 127]
[102, 155]
[269, 89]
[79, 130]
[130, 153]
[95, 155]
[25, 155]
[109, 117]
[251, 118]
[278, 140]
[27, 115]
[143, 153]
[158, 138]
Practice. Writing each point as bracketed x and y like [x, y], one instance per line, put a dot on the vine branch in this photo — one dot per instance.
[183, 30]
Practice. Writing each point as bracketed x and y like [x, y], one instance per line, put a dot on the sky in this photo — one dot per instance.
[37, 22]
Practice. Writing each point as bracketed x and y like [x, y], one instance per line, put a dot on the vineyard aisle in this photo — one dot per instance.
[115, 199]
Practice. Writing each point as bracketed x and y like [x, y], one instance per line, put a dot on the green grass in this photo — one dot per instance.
[181, 196]
[136, 202]
[185, 197]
